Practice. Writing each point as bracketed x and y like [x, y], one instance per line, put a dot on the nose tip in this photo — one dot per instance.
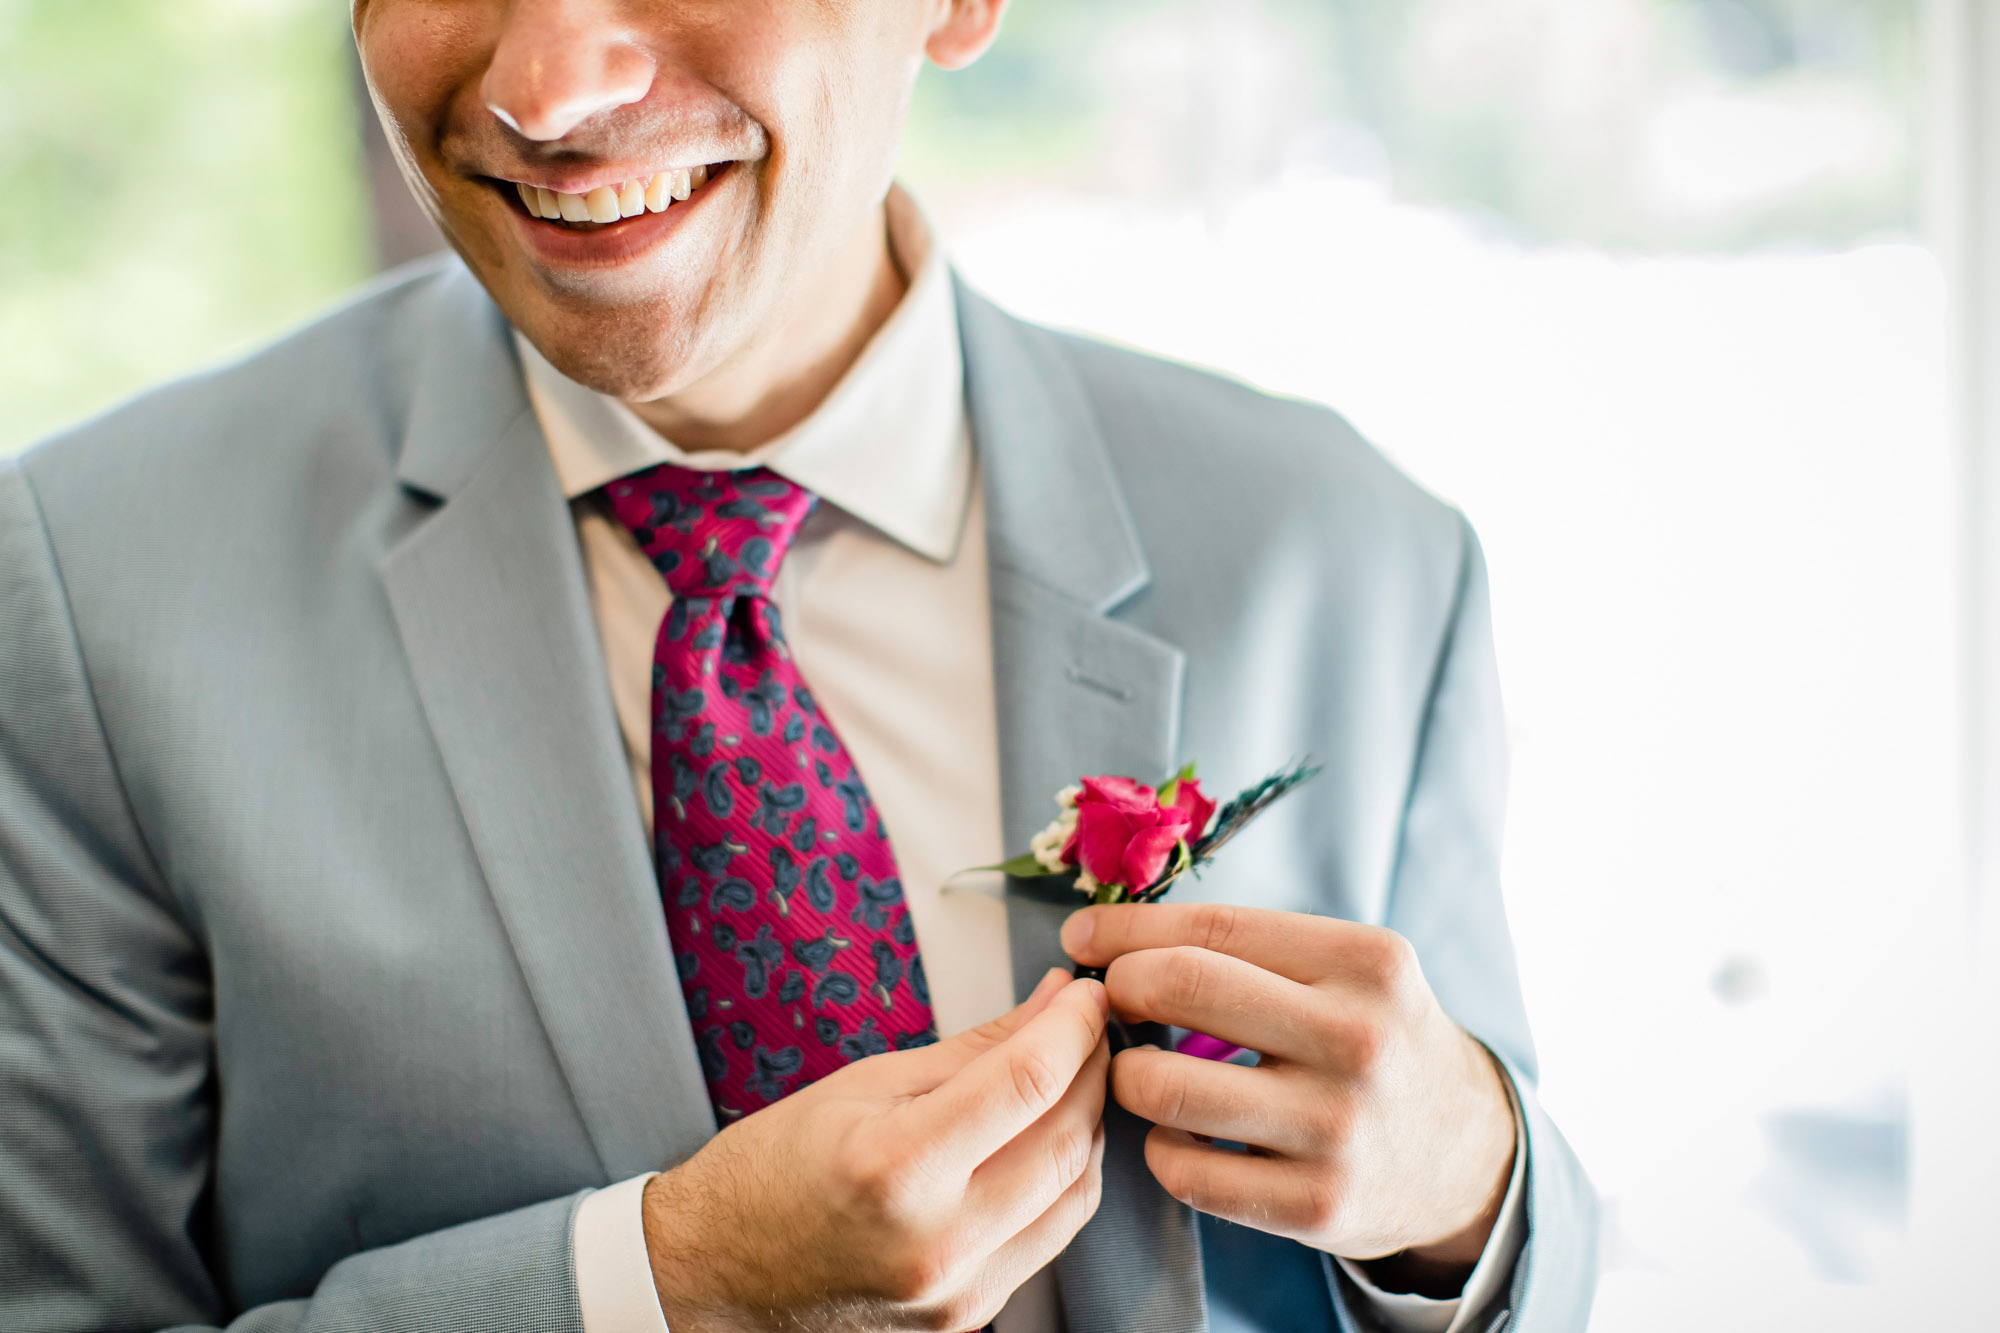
[543, 85]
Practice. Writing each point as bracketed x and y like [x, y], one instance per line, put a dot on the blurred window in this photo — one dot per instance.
[1635, 283]
[182, 181]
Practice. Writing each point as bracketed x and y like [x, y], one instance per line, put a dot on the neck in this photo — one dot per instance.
[776, 382]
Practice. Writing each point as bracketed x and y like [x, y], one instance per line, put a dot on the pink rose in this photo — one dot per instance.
[1188, 796]
[1123, 834]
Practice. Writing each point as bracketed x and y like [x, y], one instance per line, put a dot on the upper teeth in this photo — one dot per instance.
[608, 203]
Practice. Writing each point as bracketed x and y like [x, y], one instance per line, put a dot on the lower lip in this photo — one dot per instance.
[614, 243]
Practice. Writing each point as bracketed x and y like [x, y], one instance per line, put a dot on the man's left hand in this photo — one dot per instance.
[1375, 1124]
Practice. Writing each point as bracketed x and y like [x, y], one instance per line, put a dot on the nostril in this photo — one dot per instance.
[543, 84]
[543, 122]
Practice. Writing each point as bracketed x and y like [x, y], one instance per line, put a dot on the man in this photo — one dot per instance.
[432, 754]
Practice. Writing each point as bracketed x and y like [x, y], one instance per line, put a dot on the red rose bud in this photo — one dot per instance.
[1123, 834]
[1189, 798]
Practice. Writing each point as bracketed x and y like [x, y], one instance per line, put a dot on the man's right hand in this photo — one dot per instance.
[910, 1190]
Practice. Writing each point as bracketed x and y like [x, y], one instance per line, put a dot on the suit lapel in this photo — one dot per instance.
[489, 596]
[1076, 692]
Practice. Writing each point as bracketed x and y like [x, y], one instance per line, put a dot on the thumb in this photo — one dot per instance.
[947, 1057]
[990, 1034]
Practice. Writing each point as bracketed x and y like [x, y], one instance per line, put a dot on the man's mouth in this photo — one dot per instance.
[608, 205]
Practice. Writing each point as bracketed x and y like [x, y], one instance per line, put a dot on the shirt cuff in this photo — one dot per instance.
[1406, 1312]
[614, 1276]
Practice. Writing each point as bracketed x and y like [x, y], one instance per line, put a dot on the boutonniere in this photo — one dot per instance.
[1117, 840]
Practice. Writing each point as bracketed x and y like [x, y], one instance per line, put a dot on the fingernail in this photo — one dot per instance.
[1076, 932]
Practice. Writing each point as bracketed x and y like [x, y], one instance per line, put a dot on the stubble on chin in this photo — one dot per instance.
[636, 349]
[634, 354]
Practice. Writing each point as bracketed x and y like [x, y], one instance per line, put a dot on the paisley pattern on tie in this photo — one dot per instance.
[790, 933]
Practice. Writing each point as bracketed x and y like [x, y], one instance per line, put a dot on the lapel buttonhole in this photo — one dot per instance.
[1110, 689]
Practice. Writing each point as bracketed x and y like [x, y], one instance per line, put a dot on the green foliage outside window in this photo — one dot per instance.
[182, 180]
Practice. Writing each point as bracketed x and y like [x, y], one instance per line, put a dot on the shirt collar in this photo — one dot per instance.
[889, 445]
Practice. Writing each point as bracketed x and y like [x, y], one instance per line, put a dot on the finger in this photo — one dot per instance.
[1225, 997]
[1222, 1101]
[1008, 1087]
[1019, 1256]
[931, 1065]
[1035, 1245]
[1268, 1193]
[997, 1030]
[1302, 947]
[1031, 1171]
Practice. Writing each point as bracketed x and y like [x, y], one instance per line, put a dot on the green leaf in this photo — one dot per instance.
[1025, 866]
[1171, 787]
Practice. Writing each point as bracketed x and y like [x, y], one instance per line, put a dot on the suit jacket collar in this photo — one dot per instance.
[468, 386]
[1055, 513]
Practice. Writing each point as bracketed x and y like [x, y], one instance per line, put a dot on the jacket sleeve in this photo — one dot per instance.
[108, 1096]
[1446, 901]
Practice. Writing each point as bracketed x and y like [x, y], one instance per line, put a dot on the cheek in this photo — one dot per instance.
[830, 82]
[416, 53]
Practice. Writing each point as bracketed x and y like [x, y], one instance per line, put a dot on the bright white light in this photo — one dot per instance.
[1715, 496]
[1716, 153]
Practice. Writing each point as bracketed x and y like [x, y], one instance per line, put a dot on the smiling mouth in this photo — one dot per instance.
[608, 205]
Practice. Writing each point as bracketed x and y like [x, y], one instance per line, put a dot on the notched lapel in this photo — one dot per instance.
[1076, 692]
[490, 600]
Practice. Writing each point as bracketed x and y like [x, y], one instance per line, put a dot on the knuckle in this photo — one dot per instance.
[1163, 1089]
[878, 1181]
[1319, 1207]
[1215, 926]
[919, 1277]
[1364, 1047]
[987, 1035]
[1388, 961]
[1189, 1184]
[928, 1319]
[1331, 1122]
[1070, 1152]
[1036, 1080]
[1184, 978]
[954, 1314]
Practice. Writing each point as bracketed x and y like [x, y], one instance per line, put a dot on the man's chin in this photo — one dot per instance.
[629, 357]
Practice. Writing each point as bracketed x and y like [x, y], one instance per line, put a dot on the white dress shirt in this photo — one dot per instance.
[884, 599]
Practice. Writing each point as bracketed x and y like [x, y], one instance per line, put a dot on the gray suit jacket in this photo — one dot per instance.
[331, 963]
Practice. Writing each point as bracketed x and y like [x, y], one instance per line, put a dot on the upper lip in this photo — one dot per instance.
[584, 180]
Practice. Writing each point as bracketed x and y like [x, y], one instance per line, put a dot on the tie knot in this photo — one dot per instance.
[712, 534]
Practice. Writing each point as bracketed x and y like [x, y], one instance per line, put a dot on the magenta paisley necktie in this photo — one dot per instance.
[789, 929]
